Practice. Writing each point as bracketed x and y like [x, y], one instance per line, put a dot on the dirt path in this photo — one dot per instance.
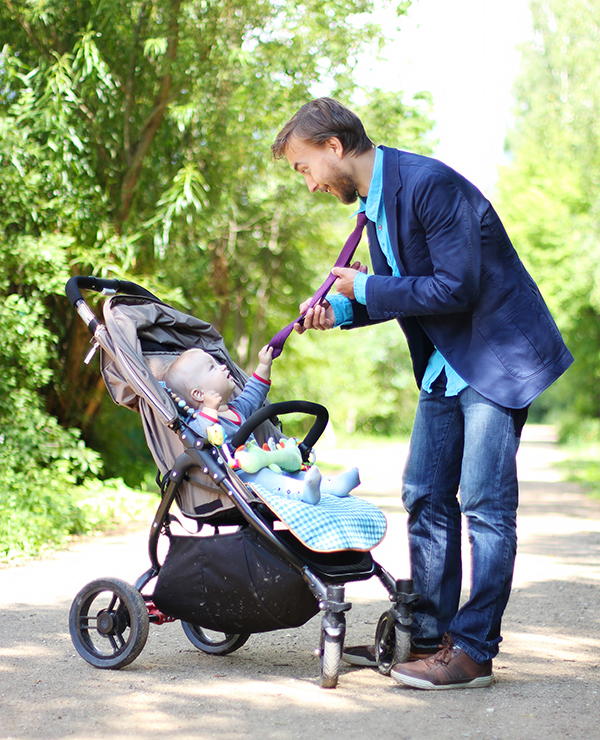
[547, 674]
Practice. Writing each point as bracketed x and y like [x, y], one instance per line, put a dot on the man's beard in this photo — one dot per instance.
[343, 184]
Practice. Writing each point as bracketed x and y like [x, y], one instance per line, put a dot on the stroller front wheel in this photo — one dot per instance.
[215, 643]
[331, 655]
[109, 623]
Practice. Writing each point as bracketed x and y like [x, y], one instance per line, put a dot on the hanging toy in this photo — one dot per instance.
[215, 436]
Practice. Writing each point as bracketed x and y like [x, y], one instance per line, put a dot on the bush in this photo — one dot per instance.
[48, 478]
[49, 487]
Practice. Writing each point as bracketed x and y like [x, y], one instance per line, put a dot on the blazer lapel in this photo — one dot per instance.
[392, 185]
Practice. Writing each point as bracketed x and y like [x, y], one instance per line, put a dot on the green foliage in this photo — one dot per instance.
[550, 194]
[42, 507]
[363, 377]
[581, 444]
[390, 121]
[46, 472]
[142, 131]
[125, 455]
[135, 143]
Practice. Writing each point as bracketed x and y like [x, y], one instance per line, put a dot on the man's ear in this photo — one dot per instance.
[336, 146]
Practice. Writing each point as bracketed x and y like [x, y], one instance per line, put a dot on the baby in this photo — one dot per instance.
[205, 384]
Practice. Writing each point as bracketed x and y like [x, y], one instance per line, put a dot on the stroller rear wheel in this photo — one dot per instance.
[209, 641]
[109, 623]
[392, 642]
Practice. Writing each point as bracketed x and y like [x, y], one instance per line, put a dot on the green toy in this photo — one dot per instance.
[285, 456]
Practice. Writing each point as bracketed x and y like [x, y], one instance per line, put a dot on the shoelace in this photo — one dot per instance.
[446, 653]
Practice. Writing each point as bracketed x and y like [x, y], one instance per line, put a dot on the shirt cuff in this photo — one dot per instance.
[262, 380]
[342, 308]
[360, 287]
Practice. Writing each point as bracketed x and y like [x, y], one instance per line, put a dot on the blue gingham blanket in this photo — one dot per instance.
[334, 524]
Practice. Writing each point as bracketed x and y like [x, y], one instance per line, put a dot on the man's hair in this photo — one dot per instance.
[320, 120]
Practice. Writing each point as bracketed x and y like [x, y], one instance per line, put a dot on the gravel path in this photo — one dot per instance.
[547, 675]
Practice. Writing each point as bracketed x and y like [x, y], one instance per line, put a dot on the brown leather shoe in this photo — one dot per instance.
[364, 655]
[450, 668]
[419, 653]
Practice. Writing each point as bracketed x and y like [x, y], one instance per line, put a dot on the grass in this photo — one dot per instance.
[583, 466]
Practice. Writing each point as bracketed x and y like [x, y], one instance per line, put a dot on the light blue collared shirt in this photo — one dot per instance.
[342, 307]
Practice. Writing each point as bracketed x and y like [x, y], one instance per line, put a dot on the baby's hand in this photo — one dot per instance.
[265, 360]
[265, 356]
[212, 399]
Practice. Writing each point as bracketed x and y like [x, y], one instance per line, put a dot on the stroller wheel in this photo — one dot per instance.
[209, 641]
[392, 642]
[109, 623]
[331, 656]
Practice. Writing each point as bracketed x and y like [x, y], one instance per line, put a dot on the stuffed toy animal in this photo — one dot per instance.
[283, 456]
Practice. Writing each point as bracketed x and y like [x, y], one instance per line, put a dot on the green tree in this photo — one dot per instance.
[198, 213]
[142, 132]
[134, 142]
[550, 194]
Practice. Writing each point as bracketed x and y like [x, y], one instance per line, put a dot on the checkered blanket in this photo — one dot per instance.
[333, 524]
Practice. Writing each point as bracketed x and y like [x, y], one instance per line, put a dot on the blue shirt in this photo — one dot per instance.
[342, 307]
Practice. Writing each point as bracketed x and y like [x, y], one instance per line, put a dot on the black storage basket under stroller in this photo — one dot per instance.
[232, 583]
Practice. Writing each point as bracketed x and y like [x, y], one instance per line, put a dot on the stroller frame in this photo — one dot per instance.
[109, 619]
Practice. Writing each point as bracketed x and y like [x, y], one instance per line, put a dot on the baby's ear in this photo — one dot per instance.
[198, 395]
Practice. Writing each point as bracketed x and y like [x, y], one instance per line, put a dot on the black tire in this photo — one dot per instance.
[215, 643]
[392, 643]
[331, 655]
[109, 623]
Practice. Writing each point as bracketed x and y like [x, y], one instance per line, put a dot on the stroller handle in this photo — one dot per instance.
[107, 286]
[285, 407]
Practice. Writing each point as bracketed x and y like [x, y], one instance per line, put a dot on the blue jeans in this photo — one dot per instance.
[469, 443]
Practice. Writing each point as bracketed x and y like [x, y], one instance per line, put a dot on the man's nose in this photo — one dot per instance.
[311, 184]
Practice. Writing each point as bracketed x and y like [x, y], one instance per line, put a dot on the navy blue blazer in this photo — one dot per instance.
[463, 288]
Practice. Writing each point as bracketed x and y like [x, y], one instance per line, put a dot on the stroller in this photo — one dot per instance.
[257, 562]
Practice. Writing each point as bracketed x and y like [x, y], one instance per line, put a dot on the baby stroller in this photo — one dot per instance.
[253, 565]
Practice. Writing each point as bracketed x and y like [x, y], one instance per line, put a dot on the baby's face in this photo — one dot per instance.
[208, 375]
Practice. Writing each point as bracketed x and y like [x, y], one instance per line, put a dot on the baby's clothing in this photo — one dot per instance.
[250, 400]
[302, 486]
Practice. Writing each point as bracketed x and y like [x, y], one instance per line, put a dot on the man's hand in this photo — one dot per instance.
[345, 281]
[320, 317]
[345, 278]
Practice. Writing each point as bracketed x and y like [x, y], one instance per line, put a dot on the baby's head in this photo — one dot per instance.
[194, 373]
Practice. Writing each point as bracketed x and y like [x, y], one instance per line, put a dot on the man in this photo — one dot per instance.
[483, 345]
